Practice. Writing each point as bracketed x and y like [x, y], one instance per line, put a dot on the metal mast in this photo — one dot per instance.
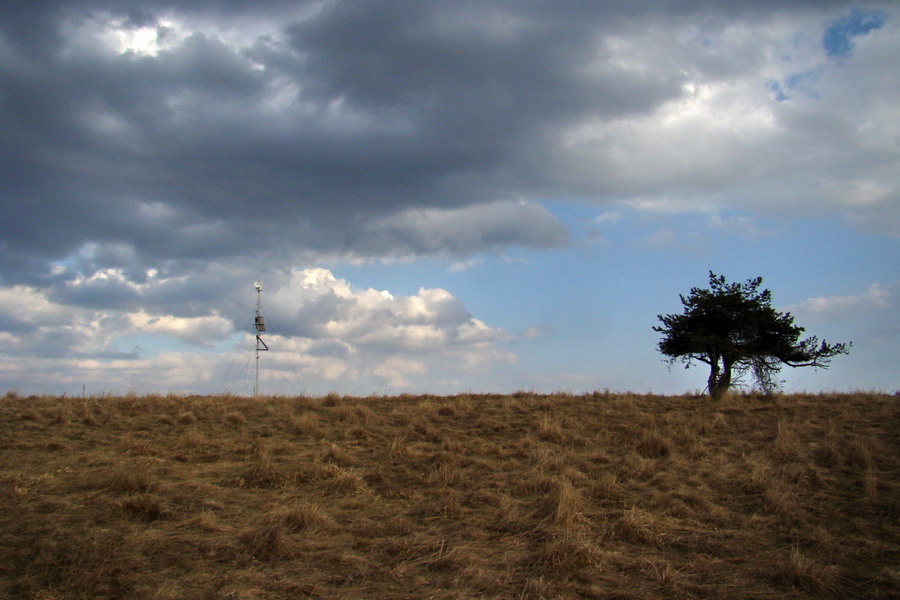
[260, 327]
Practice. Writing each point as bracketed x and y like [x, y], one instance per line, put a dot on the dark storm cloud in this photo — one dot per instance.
[356, 128]
[316, 127]
[487, 226]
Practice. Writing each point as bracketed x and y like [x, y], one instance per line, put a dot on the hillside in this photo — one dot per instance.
[470, 496]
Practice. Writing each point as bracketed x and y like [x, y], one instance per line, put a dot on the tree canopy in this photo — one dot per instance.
[733, 328]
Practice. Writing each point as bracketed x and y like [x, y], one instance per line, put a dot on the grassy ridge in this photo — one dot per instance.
[522, 496]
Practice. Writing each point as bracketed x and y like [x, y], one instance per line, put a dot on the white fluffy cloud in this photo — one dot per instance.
[198, 330]
[766, 122]
[52, 328]
[876, 297]
[325, 333]
[336, 331]
[321, 330]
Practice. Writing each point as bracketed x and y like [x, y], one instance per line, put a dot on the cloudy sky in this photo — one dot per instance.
[437, 196]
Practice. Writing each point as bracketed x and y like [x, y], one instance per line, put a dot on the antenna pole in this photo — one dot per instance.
[260, 326]
[258, 303]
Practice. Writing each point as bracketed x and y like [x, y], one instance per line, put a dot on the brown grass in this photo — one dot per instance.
[470, 496]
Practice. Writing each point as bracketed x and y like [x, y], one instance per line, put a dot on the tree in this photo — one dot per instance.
[733, 328]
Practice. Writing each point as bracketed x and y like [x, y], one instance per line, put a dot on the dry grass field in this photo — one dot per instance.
[470, 496]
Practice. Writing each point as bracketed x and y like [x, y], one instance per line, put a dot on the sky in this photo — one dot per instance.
[438, 197]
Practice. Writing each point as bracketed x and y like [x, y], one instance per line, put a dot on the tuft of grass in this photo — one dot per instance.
[235, 418]
[653, 445]
[830, 453]
[859, 453]
[787, 446]
[565, 505]
[303, 515]
[331, 400]
[267, 540]
[605, 488]
[801, 571]
[272, 535]
[306, 424]
[130, 478]
[637, 526]
[344, 481]
[145, 506]
[261, 471]
[565, 556]
[870, 484]
[549, 430]
[336, 455]
[187, 418]
[135, 447]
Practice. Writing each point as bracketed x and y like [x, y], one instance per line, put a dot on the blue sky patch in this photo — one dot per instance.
[780, 96]
[837, 40]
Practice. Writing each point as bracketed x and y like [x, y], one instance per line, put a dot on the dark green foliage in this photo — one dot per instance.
[733, 328]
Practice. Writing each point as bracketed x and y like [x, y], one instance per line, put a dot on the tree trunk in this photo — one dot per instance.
[719, 379]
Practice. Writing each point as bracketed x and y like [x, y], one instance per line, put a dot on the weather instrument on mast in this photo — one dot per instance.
[260, 322]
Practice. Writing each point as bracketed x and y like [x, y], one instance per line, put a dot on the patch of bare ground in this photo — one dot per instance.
[469, 496]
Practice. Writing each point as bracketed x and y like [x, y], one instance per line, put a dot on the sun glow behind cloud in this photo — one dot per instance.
[120, 35]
